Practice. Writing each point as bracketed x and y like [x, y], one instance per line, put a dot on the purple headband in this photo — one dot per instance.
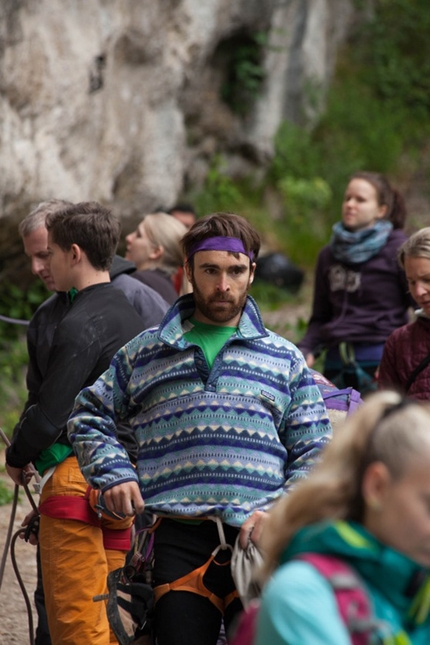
[221, 243]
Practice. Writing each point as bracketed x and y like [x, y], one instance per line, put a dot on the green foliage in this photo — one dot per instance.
[393, 54]
[6, 495]
[297, 172]
[270, 297]
[13, 393]
[295, 153]
[18, 304]
[220, 193]
[295, 331]
[306, 193]
[357, 132]
[245, 73]
[304, 202]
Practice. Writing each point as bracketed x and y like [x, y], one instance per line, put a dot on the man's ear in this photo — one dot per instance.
[376, 480]
[188, 272]
[252, 273]
[76, 253]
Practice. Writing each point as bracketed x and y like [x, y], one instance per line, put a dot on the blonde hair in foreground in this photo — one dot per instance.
[385, 428]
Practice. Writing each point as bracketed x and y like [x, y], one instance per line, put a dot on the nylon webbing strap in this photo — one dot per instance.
[419, 368]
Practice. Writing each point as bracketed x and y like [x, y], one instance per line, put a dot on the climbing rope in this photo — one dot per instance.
[25, 532]
[14, 321]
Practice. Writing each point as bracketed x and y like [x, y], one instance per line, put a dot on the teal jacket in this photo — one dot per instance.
[299, 606]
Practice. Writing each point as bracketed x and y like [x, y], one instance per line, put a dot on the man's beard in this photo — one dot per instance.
[211, 309]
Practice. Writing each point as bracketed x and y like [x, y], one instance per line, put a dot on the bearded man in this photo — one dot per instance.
[227, 417]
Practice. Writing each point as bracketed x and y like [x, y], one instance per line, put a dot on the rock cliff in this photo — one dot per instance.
[127, 101]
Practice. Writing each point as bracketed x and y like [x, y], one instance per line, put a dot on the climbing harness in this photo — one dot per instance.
[90, 510]
[130, 597]
[193, 581]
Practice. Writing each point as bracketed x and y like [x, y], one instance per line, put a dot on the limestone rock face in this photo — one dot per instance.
[127, 101]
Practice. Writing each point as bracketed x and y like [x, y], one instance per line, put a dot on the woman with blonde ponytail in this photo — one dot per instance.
[367, 504]
[155, 248]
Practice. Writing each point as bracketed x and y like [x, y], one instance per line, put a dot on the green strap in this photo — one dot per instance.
[347, 354]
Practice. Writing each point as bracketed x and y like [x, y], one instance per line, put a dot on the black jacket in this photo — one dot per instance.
[94, 327]
[40, 334]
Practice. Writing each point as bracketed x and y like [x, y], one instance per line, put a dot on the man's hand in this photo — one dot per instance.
[124, 498]
[252, 529]
[20, 475]
[32, 534]
[310, 359]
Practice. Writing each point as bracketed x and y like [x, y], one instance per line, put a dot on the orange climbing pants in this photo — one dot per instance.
[75, 563]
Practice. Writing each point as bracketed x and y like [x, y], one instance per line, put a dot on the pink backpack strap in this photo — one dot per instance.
[246, 627]
[351, 596]
[352, 599]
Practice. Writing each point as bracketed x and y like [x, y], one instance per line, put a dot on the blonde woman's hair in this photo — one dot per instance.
[166, 231]
[417, 246]
[385, 428]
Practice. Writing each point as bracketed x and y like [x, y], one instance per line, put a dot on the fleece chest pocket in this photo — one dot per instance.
[271, 405]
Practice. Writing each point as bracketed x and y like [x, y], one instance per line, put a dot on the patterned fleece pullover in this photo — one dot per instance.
[223, 441]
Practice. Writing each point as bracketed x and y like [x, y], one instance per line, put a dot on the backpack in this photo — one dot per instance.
[339, 402]
[351, 596]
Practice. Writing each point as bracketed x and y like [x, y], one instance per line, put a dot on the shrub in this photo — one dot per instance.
[6, 495]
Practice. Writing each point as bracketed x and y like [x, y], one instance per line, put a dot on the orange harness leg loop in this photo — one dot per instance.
[193, 582]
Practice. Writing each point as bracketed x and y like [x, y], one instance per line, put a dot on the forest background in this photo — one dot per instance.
[376, 116]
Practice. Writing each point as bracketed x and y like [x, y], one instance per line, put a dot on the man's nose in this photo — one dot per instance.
[223, 283]
[37, 265]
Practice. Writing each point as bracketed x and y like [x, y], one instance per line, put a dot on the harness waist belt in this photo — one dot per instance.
[67, 507]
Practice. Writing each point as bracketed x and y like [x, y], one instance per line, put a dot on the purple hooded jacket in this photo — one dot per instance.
[358, 303]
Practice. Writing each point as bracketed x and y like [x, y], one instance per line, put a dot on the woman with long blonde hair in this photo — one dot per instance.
[367, 504]
[155, 249]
